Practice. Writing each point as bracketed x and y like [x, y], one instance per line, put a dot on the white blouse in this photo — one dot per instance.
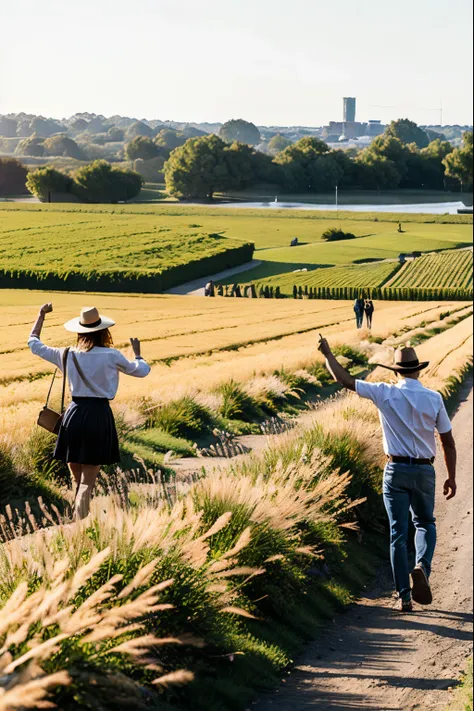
[101, 368]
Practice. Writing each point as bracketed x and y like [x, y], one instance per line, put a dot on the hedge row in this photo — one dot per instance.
[383, 294]
[126, 281]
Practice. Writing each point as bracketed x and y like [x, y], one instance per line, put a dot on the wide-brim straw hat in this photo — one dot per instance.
[89, 321]
[406, 362]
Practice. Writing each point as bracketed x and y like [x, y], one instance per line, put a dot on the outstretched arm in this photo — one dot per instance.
[339, 373]
[450, 457]
[38, 325]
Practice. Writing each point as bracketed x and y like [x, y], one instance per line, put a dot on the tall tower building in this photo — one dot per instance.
[349, 109]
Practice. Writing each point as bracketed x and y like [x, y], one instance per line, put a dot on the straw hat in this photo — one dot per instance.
[406, 362]
[89, 321]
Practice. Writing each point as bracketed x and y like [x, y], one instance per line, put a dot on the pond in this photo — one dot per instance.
[430, 208]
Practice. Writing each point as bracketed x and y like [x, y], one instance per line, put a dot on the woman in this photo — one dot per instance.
[87, 438]
[369, 312]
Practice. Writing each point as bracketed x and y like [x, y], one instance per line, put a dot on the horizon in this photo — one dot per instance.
[242, 59]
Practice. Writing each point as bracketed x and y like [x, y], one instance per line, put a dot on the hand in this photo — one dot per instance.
[46, 309]
[450, 489]
[135, 346]
[324, 346]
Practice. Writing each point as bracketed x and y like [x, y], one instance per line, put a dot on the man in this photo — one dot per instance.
[358, 313]
[410, 414]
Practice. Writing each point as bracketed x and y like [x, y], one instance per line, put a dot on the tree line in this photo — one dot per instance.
[205, 165]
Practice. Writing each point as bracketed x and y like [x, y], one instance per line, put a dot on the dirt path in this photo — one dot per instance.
[196, 287]
[374, 658]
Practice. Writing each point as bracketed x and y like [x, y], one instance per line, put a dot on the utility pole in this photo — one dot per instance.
[337, 202]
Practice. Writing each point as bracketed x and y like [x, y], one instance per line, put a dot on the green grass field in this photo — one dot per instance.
[147, 238]
[448, 269]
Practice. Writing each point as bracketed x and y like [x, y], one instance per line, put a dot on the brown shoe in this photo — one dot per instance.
[421, 586]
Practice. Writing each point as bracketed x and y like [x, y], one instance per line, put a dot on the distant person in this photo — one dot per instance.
[410, 415]
[400, 227]
[87, 437]
[220, 290]
[359, 305]
[209, 289]
[369, 312]
[294, 242]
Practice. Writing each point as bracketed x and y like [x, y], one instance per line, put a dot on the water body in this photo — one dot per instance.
[429, 208]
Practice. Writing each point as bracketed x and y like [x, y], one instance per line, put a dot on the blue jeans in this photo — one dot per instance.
[410, 490]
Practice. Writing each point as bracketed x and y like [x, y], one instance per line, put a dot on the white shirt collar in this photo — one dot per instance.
[410, 383]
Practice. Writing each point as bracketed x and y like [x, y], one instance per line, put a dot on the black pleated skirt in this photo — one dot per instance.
[88, 434]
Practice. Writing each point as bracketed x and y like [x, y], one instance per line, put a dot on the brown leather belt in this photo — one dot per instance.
[409, 460]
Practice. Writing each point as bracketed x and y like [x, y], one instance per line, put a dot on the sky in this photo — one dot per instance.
[273, 62]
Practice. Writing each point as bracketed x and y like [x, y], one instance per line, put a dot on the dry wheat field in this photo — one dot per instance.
[152, 597]
[195, 344]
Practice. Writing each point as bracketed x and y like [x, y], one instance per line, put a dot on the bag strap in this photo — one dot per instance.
[65, 354]
[50, 389]
[80, 372]
[63, 394]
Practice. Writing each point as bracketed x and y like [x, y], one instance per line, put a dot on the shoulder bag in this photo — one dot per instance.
[49, 419]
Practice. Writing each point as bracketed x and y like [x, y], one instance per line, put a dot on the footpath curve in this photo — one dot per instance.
[375, 658]
[196, 287]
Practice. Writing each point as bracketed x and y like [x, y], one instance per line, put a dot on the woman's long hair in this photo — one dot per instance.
[100, 339]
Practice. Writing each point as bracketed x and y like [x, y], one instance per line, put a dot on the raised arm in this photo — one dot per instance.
[139, 368]
[339, 373]
[38, 325]
[52, 355]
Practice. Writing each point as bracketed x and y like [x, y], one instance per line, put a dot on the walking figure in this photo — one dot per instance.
[410, 415]
[359, 312]
[87, 437]
[369, 312]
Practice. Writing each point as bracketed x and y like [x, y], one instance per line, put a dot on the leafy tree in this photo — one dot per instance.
[198, 168]
[241, 131]
[139, 128]
[8, 127]
[240, 157]
[266, 170]
[44, 127]
[141, 147]
[62, 145]
[115, 134]
[438, 149]
[193, 132]
[79, 125]
[42, 181]
[12, 177]
[459, 163]
[300, 170]
[32, 146]
[407, 132]
[375, 172]
[278, 143]
[168, 139]
[99, 182]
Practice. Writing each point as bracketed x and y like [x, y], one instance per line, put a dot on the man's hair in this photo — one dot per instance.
[101, 339]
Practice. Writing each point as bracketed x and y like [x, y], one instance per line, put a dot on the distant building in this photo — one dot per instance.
[375, 127]
[349, 109]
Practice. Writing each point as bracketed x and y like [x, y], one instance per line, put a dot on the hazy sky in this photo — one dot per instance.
[281, 62]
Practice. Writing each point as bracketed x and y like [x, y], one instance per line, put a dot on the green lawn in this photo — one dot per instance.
[149, 237]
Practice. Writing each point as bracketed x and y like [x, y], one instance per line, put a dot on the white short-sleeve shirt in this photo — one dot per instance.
[101, 367]
[410, 415]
